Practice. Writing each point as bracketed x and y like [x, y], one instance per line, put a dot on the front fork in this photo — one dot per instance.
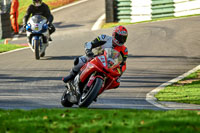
[36, 38]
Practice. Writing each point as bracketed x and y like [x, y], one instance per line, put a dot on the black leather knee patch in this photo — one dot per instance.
[44, 39]
[76, 60]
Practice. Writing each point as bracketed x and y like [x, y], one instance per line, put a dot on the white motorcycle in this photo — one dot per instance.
[38, 35]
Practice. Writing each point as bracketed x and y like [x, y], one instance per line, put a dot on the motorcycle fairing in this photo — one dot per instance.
[89, 68]
[92, 79]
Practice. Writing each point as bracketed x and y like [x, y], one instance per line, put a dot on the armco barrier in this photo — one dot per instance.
[5, 26]
[186, 7]
[123, 10]
[143, 10]
[162, 8]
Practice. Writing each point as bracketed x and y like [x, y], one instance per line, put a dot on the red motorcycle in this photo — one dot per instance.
[95, 76]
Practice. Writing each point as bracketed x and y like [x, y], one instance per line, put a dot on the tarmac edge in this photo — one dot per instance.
[150, 97]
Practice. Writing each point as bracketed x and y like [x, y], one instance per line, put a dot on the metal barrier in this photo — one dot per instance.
[123, 10]
[162, 8]
[186, 7]
[5, 25]
[143, 10]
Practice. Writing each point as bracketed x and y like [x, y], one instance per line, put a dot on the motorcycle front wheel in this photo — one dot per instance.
[87, 97]
[36, 48]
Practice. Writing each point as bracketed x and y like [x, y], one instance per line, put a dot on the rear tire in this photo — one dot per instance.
[36, 47]
[64, 100]
[87, 98]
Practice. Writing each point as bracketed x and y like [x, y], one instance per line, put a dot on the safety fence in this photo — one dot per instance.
[143, 10]
[123, 10]
[5, 26]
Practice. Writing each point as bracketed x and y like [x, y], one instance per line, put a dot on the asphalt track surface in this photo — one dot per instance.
[158, 52]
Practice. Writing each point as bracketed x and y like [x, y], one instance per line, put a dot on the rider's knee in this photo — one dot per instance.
[76, 61]
[79, 62]
[44, 39]
[52, 29]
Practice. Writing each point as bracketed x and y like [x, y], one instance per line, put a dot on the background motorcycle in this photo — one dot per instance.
[95, 76]
[38, 35]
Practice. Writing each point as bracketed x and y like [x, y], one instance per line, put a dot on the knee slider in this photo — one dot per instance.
[44, 39]
[76, 61]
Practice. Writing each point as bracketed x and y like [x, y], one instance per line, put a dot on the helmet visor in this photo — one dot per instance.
[121, 38]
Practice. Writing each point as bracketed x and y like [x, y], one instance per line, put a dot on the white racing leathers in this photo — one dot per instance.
[97, 45]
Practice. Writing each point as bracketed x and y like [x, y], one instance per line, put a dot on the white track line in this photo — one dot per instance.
[13, 50]
[69, 5]
[98, 23]
[150, 96]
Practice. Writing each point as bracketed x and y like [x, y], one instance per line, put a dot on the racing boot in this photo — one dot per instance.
[70, 77]
[50, 39]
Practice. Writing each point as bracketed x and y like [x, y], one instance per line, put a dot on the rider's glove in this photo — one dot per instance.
[49, 23]
[89, 53]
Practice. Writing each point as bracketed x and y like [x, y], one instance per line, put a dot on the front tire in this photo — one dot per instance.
[36, 47]
[87, 98]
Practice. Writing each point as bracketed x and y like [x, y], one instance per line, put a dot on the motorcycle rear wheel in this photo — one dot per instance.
[87, 98]
[64, 99]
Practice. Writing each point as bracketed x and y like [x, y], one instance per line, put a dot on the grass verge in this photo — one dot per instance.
[99, 120]
[8, 47]
[1, 41]
[185, 91]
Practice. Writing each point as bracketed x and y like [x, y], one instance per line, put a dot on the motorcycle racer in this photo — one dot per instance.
[119, 37]
[40, 8]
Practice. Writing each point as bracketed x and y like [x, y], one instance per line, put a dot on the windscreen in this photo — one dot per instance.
[113, 57]
[37, 18]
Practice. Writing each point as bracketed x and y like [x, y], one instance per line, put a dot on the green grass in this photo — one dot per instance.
[108, 25]
[192, 75]
[99, 121]
[183, 91]
[8, 47]
[1, 41]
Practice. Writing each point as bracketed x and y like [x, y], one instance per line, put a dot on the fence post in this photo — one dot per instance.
[5, 25]
[109, 10]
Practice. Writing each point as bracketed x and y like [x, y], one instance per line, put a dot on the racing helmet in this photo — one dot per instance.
[119, 35]
[37, 3]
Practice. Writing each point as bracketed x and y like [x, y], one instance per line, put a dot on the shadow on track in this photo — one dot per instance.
[60, 25]
[59, 57]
